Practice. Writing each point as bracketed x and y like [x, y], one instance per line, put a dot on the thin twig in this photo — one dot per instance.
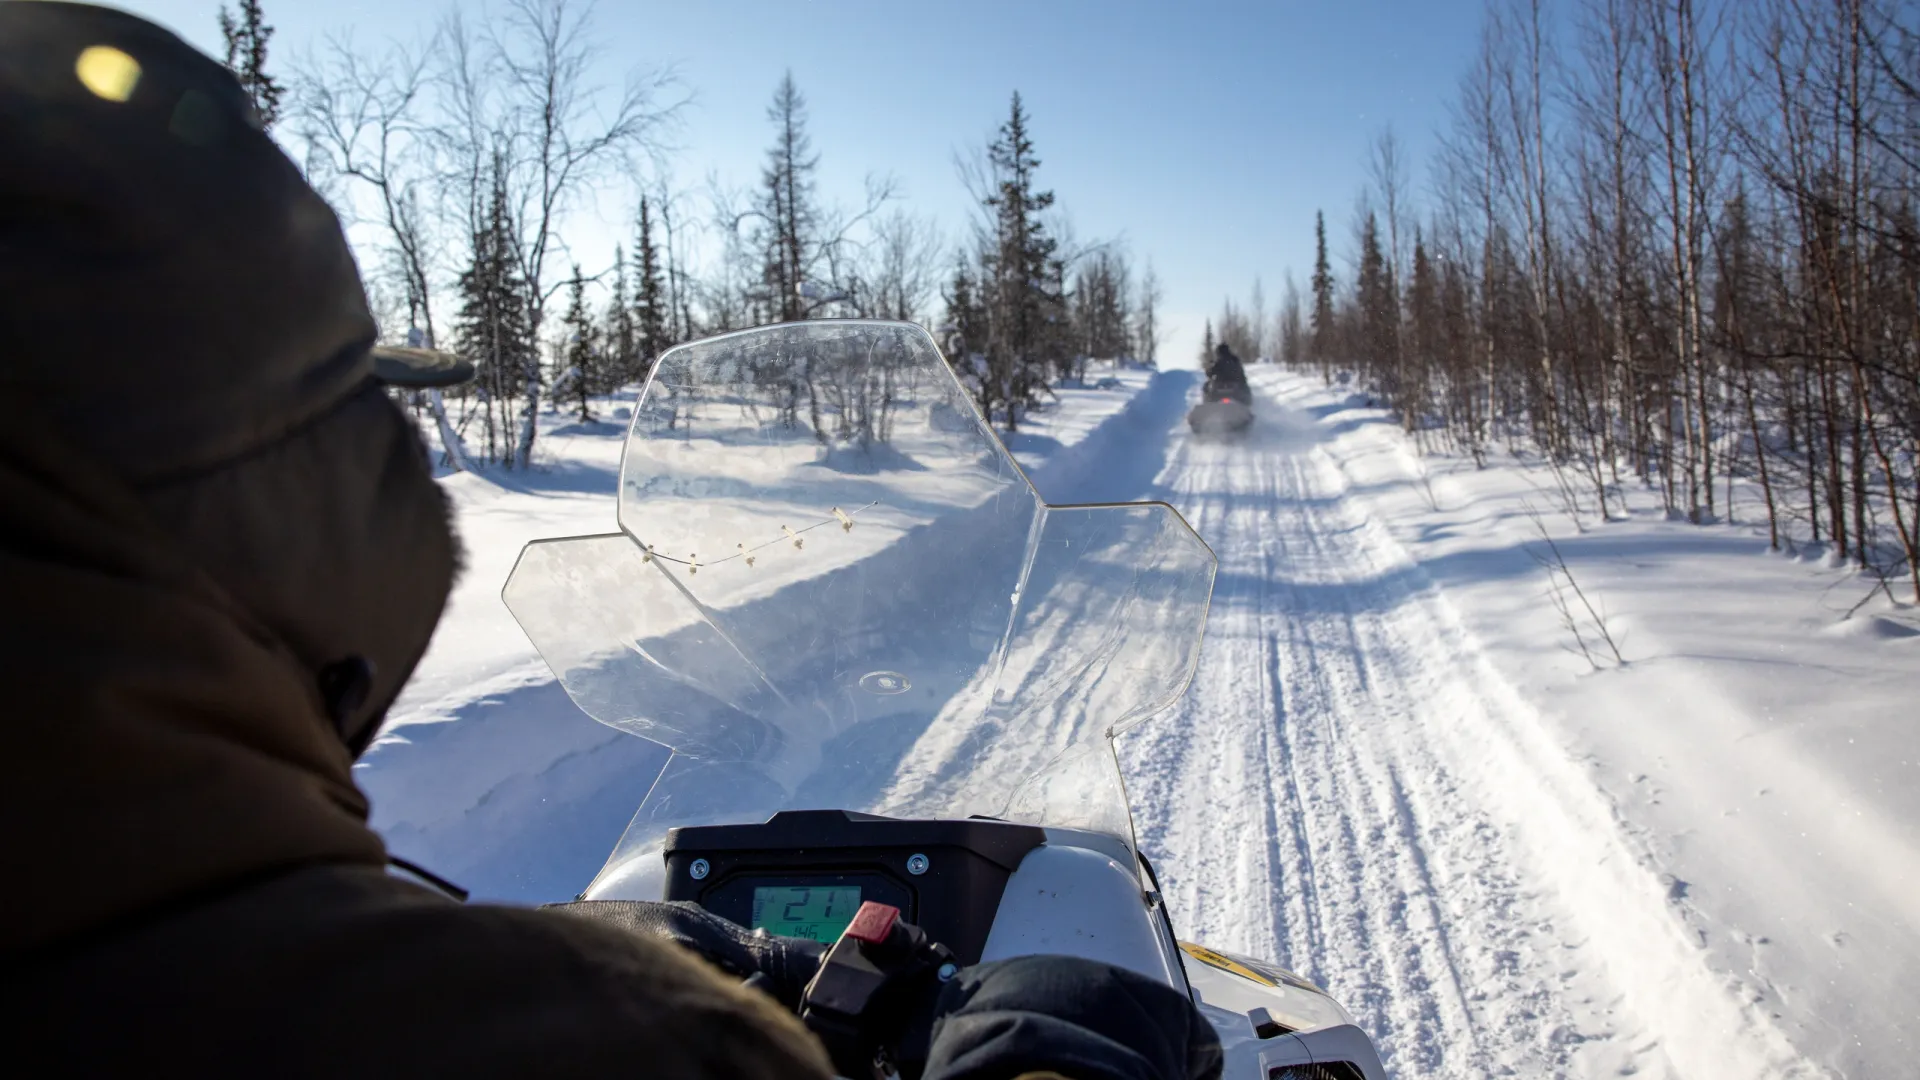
[1557, 570]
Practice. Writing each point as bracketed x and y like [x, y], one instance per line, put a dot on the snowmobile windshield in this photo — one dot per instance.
[833, 588]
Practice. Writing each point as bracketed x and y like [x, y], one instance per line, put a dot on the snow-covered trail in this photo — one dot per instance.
[1382, 775]
[1351, 789]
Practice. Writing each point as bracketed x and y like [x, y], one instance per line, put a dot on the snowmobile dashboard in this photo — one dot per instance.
[805, 873]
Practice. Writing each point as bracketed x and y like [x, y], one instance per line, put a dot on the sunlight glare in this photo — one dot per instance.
[108, 72]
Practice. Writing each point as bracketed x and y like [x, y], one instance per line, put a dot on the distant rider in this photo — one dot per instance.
[1226, 369]
[1227, 378]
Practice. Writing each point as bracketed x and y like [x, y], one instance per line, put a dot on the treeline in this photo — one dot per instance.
[464, 156]
[1676, 246]
[1247, 331]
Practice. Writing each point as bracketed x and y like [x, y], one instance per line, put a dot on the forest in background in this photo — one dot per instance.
[1663, 242]
[462, 156]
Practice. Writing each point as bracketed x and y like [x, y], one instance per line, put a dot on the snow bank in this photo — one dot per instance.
[1758, 751]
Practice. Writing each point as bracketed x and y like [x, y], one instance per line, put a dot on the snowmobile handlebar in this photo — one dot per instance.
[869, 996]
[872, 1001]
[887, 1000]
[780, 966]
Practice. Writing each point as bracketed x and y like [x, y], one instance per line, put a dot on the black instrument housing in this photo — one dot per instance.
[954, 901]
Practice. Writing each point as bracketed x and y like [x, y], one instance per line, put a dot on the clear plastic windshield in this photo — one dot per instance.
[833, 588]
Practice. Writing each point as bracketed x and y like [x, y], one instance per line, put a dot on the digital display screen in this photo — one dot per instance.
[819, 912]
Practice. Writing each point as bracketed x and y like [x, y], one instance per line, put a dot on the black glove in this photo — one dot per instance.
[785, 963]
[875, 993]
[1062, 1014]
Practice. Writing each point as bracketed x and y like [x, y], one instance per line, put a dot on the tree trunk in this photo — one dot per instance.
[1760, 459]
[453, 446]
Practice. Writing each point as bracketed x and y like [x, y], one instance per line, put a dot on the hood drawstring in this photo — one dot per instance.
[429, 877]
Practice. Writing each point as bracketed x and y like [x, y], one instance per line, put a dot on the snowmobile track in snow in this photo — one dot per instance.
[1349, 788]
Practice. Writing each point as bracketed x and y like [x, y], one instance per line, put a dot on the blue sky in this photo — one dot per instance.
[1205, 134]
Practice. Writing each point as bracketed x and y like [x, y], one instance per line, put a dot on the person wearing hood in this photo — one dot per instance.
[1227, 398]
[1226, 369]
[222, 553]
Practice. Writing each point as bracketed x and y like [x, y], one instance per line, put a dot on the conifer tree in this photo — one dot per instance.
[492, 328]
[786, 209]
[246, 37]
[1377, 315]
[1427, 339]
[1322, 323]
[970, 328]
[622, 341]
[1023, 270]
[581, 375]
[967, 321]
[651, 318]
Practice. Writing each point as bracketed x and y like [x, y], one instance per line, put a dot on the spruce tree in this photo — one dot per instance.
[581, 373]
[650, 314]
[1023, 271]
[1376, 315]
[622, 340]
[786, 210]
[968, 330]
[1206, 349]
[963, 307]
[1322, 323]
[1056, 324]
[492, 327]
[1423, 315]
[246, 37]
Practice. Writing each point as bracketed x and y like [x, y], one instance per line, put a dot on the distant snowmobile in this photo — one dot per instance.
[818, 641]
[1226, 402]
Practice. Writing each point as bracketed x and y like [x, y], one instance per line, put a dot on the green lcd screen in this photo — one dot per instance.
[819, 912]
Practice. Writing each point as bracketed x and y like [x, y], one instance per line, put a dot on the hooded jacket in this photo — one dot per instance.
[193, 885]
[206, 501]
[1226, 369]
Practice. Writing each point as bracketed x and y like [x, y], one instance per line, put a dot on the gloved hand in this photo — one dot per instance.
[1074, 1017]
[786, 963]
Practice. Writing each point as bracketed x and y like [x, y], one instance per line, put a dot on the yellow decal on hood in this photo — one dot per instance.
[1224, 963]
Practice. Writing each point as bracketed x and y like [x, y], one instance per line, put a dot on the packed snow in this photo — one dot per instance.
[1395, 771]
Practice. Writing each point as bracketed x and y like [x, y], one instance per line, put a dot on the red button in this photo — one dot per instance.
[873, 922]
